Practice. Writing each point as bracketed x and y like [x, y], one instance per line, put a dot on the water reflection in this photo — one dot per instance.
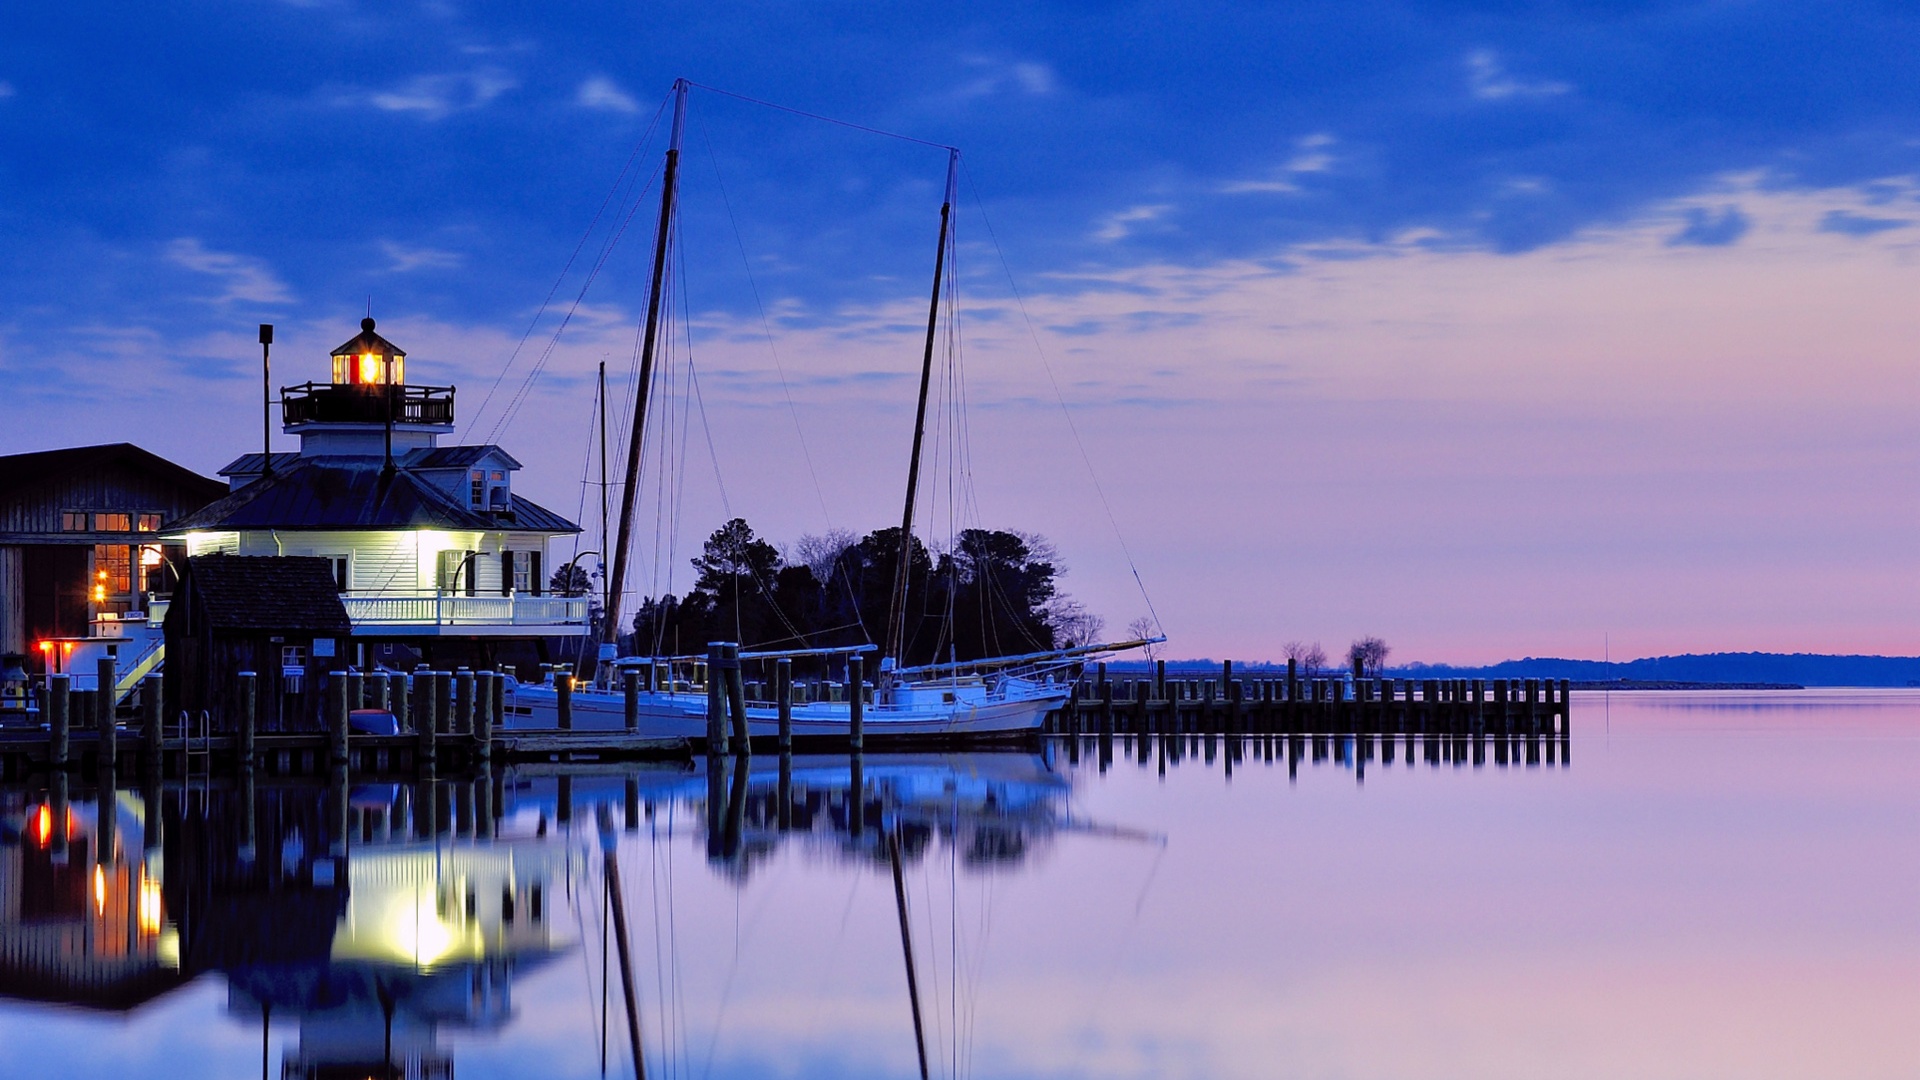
[360, 922]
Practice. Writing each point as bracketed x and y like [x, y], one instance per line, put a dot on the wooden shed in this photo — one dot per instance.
[277, 616]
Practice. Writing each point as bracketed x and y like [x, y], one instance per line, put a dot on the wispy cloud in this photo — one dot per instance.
[1489, 80]
[1310, 155]
[435, 97]
[245, 278]
[1121, 225]
[1706, 228]
[1848, 223]
[994, 76]
[404, 258]
[603, 93]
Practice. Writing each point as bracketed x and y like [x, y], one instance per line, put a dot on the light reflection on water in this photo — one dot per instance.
[1698, 885]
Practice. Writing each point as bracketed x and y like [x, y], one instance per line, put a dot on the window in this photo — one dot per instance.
[523, 573]
[477, 488]
[293, 656]
[342, 567]
[112, 571]
[73, 521]
[455, 572]
[113, 523]
[149, 523]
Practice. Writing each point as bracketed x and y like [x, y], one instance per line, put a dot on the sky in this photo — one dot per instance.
[1492, 329]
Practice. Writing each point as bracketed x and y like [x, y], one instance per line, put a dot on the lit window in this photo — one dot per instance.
[113, 523]
[499, 474]
[73, 521]
[369, 368]
[149, 523]
[112, 571]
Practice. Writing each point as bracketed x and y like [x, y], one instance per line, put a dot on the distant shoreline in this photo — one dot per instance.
[1672, 684]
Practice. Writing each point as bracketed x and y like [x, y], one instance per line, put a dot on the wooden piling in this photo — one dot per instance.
[426, 724]
[248, 691]
[483, 718]
[59, 700]
[630, 697]
[856, 705]
[106, 756]
[151, 710]
[356, 689]
[563, 698]
[783, 696]
[716, 702]
[737, 699]
[337, 715]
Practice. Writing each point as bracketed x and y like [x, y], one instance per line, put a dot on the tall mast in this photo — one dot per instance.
[603, 485]
[610, 633]
[897, 610]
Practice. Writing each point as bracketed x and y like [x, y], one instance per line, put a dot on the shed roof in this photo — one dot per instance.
[20, 471]
[265, 592]
[358, 493]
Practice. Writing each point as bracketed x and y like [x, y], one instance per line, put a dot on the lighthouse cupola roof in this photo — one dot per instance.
[367, 359]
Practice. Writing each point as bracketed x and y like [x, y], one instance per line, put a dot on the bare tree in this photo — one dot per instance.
[819, 553]
[1309, 658]
[1073, 625]
[1370, 654]
[1141, 629]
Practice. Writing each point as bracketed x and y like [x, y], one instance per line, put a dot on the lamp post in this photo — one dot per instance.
[266, 399]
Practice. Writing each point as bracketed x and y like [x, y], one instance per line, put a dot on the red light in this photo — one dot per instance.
[44, 823]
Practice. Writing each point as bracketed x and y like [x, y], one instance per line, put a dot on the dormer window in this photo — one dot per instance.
[477, 489]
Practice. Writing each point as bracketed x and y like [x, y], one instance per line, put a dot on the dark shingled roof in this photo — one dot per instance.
[24, 470]
[265, 592]
[358, 493]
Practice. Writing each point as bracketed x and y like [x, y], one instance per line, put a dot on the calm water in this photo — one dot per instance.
[1704, 886]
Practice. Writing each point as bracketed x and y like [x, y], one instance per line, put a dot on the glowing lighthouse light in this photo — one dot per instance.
[369, 360]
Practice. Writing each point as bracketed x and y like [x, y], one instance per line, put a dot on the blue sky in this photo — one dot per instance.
[173, 175]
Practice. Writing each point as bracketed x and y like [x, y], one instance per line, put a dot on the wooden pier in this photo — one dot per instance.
[1361, 705]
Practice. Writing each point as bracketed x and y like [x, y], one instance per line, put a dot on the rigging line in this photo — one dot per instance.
[1040, 350]
[512, 408]
[817, 116]
[766, 325]
[645, 138]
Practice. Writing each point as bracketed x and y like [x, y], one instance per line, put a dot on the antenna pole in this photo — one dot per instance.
[897, 610]
[610, 633]
[266, 400]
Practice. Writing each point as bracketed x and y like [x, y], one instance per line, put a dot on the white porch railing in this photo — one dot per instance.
[434, 609]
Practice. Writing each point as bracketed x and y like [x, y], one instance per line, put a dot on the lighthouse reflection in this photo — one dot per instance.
[359, 923]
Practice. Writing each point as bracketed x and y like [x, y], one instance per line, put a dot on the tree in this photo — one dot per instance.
[820, 553]
[1141, 629]
[737, 575]
[570, 580]
[1309, 658]
[1370, 654]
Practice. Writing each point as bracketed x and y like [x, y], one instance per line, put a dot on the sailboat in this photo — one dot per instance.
[994, 697]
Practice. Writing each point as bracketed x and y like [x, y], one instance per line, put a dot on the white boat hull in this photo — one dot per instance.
[684, 715]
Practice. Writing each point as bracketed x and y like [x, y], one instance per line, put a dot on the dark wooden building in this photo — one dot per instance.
[277, 616]
[79, 537]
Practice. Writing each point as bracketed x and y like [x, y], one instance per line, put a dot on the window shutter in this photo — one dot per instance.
[506, 572]
[533, 578]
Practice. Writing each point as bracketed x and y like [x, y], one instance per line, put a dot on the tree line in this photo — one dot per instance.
[993, 593]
